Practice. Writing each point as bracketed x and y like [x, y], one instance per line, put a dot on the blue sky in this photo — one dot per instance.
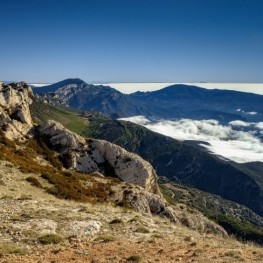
[132, 40]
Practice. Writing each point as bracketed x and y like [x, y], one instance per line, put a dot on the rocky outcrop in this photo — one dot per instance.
[15, 118]
[98, 156]
[135, 197]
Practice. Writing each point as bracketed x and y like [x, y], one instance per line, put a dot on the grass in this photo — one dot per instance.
[142, 230]
[11, 248]
[66, 185]
[34, 181]
[243, 230]
[51, 239]
[42, 112]
[105, 239]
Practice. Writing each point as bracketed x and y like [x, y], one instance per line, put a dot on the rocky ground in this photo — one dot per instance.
[37, 227]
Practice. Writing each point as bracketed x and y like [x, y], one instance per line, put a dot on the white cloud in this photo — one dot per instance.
[259, 125]
[224, 140]
[248, 113]
[240, 123]
[251, 113]
[133, 87]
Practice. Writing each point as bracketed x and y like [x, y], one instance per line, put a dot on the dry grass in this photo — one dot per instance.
[11, 248]
[66, 185]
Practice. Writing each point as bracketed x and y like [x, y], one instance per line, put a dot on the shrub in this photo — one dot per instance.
[134, 259]
[50, 239]
[142, 230]
[105, 239]
[241, 229]
[10, 248]
[34, 181]
[116, 221]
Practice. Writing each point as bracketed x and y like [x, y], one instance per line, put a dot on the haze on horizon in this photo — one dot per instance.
[132, 41]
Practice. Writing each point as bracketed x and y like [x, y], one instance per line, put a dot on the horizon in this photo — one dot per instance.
[132, 41]
[131, 87]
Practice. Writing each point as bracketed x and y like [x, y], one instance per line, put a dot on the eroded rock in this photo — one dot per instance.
[99, 156]
[15, 117]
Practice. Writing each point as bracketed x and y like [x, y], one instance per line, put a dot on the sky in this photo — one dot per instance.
[44, 41]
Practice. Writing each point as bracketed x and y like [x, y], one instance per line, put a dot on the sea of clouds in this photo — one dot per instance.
[238, 141]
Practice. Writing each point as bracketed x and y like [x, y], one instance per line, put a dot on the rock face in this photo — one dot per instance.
[98, 156]
[15, 118]
[135, 197]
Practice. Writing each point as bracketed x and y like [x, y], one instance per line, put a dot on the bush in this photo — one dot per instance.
[133, 259]
[105, 239]
[51, 239]
[241, 229]
[116, 221]
[34, 181]
[142, 230]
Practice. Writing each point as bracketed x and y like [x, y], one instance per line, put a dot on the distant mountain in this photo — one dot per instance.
[82, 96]
[176, 101]
[184, 162]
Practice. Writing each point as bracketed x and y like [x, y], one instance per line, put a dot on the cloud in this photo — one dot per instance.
[248, 113]
[240, 123]
[133, 87]
[259, 125]
[227, 141]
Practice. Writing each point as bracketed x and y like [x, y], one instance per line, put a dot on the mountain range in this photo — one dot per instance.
[176, 101]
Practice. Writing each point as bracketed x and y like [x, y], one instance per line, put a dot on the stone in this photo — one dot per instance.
[15, 117]
[82, 228]
[99, 156]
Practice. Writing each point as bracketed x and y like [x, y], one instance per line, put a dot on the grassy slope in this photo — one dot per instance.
[41, 112]
[235, 219]
[130, 136]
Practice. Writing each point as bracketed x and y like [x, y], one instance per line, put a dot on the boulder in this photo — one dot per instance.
[98, 156]
[15, 117]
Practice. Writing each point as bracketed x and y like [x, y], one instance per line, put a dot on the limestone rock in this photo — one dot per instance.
[83, 228]
[15, 118]
[99, 156]
[148, 203]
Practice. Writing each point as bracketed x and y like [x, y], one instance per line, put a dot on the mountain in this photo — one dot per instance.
[65, 197]
[238, 219]
[184, 162]
[176, 101]
[79, 95]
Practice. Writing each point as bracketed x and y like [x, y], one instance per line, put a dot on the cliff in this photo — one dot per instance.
[15, 118]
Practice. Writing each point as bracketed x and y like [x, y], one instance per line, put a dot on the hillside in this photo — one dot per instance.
[36, 226]
[140, 140]
[87, 206]
[183, 163]
[177, 101]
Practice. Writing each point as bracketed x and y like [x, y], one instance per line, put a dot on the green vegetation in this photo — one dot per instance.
[51, 239]
[142, 230]
[42, 112]
[11, 248]
[167, 195]
[66, 185]
[243, 230]
[116, 221]
[213, 207]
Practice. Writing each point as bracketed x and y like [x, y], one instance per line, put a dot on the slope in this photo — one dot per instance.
[158, 150]
[182, 162]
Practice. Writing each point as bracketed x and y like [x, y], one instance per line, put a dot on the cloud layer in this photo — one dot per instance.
[238, 141]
